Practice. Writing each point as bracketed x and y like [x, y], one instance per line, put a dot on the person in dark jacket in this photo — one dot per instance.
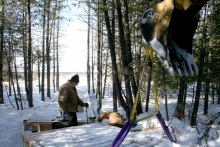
[69, 100]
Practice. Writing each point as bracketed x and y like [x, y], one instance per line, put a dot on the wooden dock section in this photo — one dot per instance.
[41, 123]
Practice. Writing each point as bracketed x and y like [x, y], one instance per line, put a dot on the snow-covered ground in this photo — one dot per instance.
[101, 134]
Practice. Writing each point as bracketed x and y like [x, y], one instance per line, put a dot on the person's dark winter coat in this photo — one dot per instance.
[68, 98]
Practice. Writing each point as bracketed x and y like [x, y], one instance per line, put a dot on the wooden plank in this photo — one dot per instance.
[39, 126]
[45, 127]
[34, 127]
[41, 121]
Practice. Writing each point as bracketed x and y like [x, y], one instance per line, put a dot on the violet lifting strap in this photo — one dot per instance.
[130, 123]
[126, 128]
[165, 128]
[122, 134]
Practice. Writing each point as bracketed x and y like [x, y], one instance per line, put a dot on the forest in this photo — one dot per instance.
[30, 33]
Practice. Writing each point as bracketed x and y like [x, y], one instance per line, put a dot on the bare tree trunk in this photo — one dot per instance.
[130, 58]
[179, 106]
[9, 85]
[11, 75]
[101, 56]
[16, 74]
[208, 80]
[190, 109]
[54, 51]
[15, 95]
[48, 48]
[93, 87]
[138, 70]
[105, 75]
[124, 58]
[1, 51]
[114, 65]
[148, 85]
[88, 50]
[43, 55]
[38, 70]
[24, 21]
[200, 73]
[206, 102]
[57, 47]
[213, 92]
[165, 93]
[218, 92]
[115, 102]
[54, 46]
[98, 89]
[30, 78]
[184, 100]
[18, 87]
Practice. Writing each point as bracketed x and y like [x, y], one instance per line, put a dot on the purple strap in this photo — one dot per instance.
[122, 134]
[165, 128]
[126, 128]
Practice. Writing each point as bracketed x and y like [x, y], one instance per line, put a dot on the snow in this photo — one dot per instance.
[147, 133]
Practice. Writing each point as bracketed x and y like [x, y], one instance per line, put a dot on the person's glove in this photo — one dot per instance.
[64, 114]
[86, 105]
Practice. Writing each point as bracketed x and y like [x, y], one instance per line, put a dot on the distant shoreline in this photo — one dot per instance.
[61, 73]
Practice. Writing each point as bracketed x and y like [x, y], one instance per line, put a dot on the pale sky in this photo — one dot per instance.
[73, 56]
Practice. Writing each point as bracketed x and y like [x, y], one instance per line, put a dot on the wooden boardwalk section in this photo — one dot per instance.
[38, 132]
[87, 135]
[41, 123]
